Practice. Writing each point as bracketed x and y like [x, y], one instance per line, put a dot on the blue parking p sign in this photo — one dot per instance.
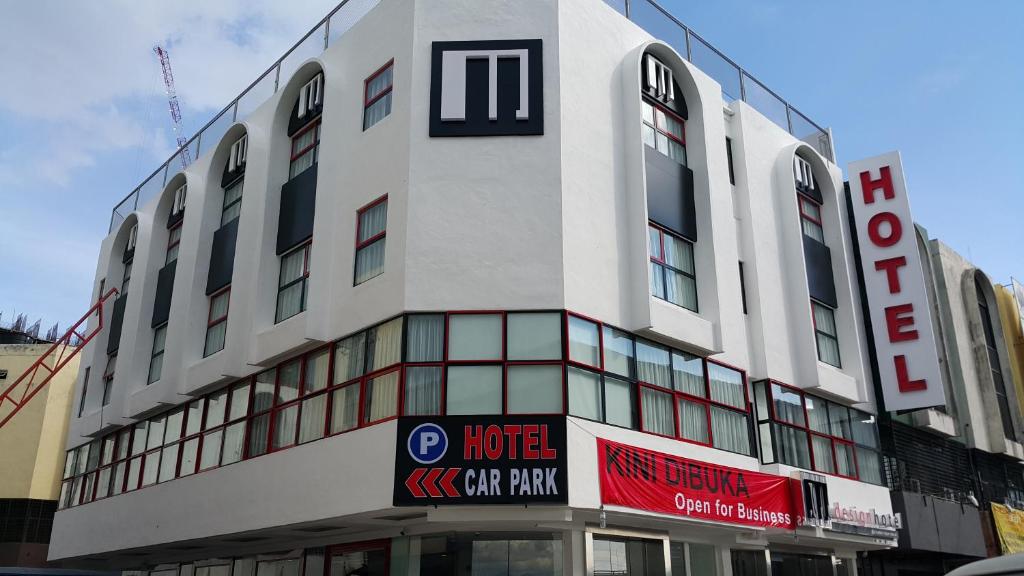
[427, 443]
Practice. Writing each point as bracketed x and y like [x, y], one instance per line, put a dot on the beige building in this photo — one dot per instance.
[31, 457]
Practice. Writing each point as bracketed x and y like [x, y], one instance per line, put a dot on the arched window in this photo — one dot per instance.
[818, 261]
[672, 228]
[222, 259]
[993, 359]
[298, 199]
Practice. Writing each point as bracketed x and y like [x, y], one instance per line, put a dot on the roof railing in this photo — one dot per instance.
[736, 84]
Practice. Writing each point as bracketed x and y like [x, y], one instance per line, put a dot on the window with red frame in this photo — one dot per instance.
[366, 381]
[217, 322]
[371, 233]
[305, 149]
[663, 131]
[377, 95]
[826, 334]
[810, 218]
[677, 394]
[805, 431]
[673, 274]
[520, 362]
[293, 283]
[173, 241]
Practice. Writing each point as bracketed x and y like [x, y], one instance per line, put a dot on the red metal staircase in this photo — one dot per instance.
[39, 374]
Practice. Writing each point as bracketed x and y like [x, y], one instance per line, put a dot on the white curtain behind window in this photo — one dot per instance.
[425, 338]
[422, 390]
[382, 396]
[729, 430]
[657, 412]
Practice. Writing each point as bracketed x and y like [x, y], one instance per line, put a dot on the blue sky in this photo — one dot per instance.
[83, 117]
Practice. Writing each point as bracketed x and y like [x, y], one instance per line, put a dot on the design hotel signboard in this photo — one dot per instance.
[480, 460]
[901, 318]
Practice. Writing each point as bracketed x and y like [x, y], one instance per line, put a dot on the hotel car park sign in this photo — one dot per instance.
[480, 460]
[893, 275]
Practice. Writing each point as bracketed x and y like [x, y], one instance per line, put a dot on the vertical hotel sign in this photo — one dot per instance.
[894, 282]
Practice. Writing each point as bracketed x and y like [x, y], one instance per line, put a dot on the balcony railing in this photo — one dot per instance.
[736, 83]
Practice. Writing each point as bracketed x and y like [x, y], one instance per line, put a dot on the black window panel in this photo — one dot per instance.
[228, 178]
[728, 155]
[222, 257]
[164, 289]
[128, 254]
[812, 193]
[820, 281]
[116, 319]
[175, 217]
[298, 203]
[670, 194]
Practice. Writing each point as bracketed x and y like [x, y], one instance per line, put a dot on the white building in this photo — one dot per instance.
[626, 256]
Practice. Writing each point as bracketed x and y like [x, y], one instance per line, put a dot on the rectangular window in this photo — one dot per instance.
[377, 95]
[534, 389]
[232, 207]
[173, 241]
[474, 390]
[673, 275]
[217, 322]
[663, 131]
[305, 149]
[728, 156]
[85, 391]
[127, 277]
[743, 288]
[293, 283]
[108, 383]
[371, 232]
[808, 432]
[826, 334]
[156, 360]
[810, 218]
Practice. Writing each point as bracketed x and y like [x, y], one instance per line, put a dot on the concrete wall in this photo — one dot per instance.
[32, 442]
[1013, 333]
[979, 407]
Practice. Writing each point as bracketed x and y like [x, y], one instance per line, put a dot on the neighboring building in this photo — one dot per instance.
[1011, 315]
[610, 328]
[31, 454]
[949, 466]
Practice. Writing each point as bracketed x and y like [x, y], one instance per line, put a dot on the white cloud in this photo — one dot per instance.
[82, 99]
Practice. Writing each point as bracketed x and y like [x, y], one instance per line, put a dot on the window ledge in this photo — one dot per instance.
[284, 338]
[834, 381]
[685, 327]
[209, 372]
[936, 422]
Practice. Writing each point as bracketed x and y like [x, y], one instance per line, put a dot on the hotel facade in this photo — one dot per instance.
[484, 288]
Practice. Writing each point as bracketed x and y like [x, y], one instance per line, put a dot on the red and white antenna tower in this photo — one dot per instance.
[172, 101]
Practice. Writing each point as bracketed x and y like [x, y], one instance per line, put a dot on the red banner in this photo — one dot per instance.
[646, 480]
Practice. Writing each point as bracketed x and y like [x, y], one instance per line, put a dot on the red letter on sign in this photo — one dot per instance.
[899, 317]
[473, 448]
[895, 229]
[869, 186]
[493, 442]
[903, 381]
[891, 266]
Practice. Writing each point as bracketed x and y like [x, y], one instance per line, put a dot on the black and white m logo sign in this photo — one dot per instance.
[487, 88]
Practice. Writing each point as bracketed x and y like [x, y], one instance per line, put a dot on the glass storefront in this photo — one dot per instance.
[489, 554]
